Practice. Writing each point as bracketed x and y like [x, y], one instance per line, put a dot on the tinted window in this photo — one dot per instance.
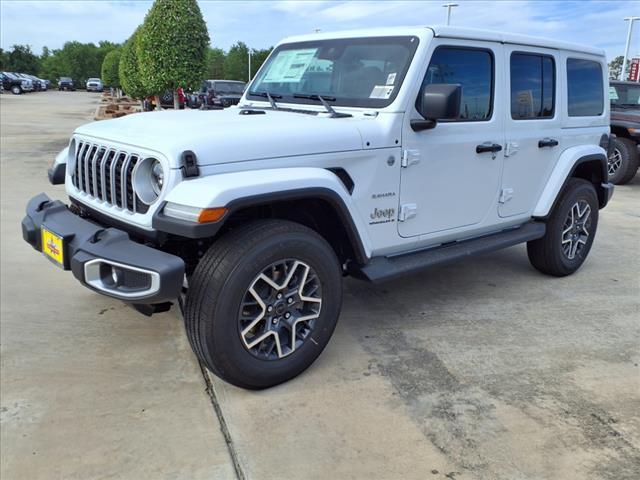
[471, 68]
[624, 95]
[532, 86]
[229, 87]
[584, 88]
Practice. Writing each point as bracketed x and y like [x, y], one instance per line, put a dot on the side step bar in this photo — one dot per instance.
[386, 268]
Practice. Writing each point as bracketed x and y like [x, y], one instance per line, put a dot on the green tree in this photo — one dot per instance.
[236, 62]
[21, 59]
[615, 67]
[128, 70]
[215, 63]
[50, 64]
[4, 60]
[257, 59]
[110, 69]
[173, 46]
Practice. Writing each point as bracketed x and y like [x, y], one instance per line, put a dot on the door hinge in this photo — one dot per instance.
[512, 149]
[410, 157]
[407, 211]
[505, 195]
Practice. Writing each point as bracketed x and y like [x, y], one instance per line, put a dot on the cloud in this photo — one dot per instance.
[262, 24]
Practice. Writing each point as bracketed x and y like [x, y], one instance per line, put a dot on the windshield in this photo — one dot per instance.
[622, 94]
[65, 79]
[93, 80]
[357, 72]
[229, 87]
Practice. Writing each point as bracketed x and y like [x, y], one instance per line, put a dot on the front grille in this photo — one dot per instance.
[106, 174]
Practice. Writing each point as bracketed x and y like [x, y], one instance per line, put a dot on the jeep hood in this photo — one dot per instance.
[223, 136]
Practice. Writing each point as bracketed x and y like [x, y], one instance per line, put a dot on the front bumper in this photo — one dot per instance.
[105, 259]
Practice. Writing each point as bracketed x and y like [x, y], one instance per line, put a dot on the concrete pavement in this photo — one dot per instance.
[480, 370]
[89, 388]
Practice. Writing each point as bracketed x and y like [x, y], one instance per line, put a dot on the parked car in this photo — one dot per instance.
[38, 84]
[94, 85]
[375, 153]
[15, 83]
[625, 124]
[166, 100]
[218, 94]
[66, 83]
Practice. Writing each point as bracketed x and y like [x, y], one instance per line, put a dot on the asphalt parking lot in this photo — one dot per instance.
[480, 370]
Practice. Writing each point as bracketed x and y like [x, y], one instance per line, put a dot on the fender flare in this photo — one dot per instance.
[239, 190]
[564, 169]
[58, 169]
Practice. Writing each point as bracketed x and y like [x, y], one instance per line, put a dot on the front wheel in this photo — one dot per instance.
[16, 90]
[263, 302]
[571, 229]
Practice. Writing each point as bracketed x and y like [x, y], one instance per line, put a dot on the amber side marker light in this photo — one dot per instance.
[208, 215]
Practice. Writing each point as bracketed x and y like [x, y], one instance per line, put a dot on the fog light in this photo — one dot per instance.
[117, 276]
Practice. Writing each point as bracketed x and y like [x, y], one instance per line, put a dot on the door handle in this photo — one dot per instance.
[547, 142]
[488, 147]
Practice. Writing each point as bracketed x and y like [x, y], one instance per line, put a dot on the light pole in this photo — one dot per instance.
[626, 48]
[249, 64]
[449, 6]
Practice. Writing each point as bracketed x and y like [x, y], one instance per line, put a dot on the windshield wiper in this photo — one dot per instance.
[325, 103]
[269, 97]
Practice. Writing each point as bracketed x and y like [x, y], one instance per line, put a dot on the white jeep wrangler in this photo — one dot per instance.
[373, 153]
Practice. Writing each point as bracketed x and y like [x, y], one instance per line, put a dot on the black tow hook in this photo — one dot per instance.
[95, 238]
[149, 309]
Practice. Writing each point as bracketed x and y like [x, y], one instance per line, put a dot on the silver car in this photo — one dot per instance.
[94, 85]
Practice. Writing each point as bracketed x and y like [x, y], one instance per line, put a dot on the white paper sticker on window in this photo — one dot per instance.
[391, 79]
[613, 94]
[381, 91]
[289, 66]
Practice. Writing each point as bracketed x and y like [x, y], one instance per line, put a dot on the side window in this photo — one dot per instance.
[532, 86]
[584, 88]
[473, 69]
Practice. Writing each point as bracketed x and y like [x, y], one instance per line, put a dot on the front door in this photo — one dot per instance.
[451, 173]
[533, 138]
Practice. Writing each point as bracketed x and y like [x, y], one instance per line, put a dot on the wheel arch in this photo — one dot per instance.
[620, 131]
[587, 162]
[316, 198]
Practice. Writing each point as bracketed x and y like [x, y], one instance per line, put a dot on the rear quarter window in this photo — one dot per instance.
[584, 88]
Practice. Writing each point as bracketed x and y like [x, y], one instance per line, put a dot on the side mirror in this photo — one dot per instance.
[439, 101]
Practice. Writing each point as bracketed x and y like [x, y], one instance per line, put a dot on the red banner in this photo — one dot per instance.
[634, 70]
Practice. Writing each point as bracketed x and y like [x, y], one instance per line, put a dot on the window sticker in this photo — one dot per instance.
[613, 94]
[391, 79]
[289, 66]
[381, 91]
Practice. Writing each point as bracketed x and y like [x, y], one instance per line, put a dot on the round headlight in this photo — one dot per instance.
[157, 175]
[148, 179]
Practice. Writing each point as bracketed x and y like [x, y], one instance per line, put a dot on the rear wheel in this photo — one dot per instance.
[623, 161]
[263, 303]
[571, 229]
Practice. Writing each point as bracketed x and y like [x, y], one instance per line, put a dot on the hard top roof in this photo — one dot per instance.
[452, 32]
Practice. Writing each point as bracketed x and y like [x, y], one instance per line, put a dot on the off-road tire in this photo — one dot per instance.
[222, 279]
[546, 254]
[628, 151]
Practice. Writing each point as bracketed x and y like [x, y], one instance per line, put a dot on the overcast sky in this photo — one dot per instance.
[263, 23]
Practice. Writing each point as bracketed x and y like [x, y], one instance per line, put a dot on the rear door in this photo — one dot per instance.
[532, 127]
